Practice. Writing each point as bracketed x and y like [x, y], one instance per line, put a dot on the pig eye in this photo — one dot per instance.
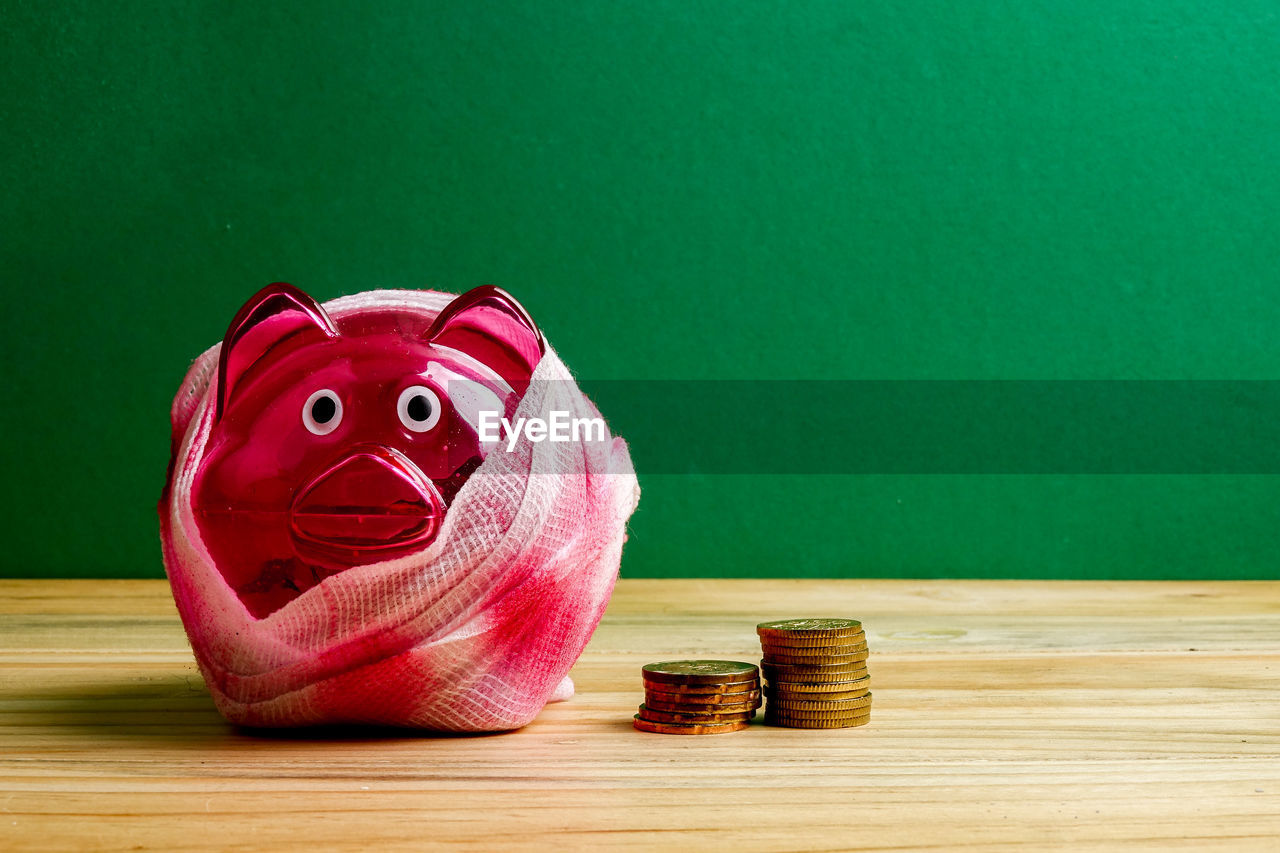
[322, 412]
[419, 408]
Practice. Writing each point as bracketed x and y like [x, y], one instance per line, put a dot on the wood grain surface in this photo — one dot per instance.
[1038, 715]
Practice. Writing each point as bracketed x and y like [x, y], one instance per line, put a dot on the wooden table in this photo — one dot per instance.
[1047, 715]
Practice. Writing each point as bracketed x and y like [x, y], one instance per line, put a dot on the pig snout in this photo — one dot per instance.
[373, 499]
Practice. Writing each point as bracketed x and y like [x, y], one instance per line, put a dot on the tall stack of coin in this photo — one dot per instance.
[698, 697]
[816, 673]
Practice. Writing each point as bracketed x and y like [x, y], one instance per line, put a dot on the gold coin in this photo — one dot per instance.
[775, 695]
[824, 659]
[702, 698]
[803, 644]
[818, 628]
[814, 651]
[816, 715]
[796, 723]
[858, 686]
[810, 705]
[688, 728]
[654, 715]
[717, 687]
[858, 644]
[817, 665]
[813, 674]
[699, 671]
[703, 708]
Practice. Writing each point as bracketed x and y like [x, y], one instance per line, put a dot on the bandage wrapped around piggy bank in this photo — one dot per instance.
[395, 508]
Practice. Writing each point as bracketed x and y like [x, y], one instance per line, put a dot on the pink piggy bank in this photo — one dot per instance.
[337, 445]
[346, 544]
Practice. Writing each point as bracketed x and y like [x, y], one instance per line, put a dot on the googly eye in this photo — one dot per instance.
[322, 412]
[419, 408]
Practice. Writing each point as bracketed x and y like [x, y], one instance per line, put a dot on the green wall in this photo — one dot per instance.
[697, 190]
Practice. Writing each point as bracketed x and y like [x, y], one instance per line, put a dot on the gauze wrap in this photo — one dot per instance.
[476, 632]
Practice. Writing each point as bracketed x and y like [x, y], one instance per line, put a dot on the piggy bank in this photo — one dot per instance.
[345, 542]
[337, 444]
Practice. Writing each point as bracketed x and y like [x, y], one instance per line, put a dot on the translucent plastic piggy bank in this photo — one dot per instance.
[336, 446]
[346, 544]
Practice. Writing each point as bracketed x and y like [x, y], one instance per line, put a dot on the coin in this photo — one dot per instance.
[857, 687]
[791, 704]
[688, 728]
[694, 689]
[702, 698]
[817, 665]
[654, 715]
[813, 674]
[823, 659]
[786, 641]
[775, 695]
[800, 723]
[842, 646]
[795, 638]
[702, 708]
[817, 715]
[823, 629]
[699, 671]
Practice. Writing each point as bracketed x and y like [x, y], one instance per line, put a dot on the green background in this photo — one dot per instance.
[694, 190]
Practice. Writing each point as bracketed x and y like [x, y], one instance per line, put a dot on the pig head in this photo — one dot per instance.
[338, 444]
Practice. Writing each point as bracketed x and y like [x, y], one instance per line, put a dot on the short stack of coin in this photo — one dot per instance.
[816, 673]
[698, 697]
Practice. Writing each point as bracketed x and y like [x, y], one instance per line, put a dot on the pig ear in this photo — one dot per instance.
[277, 319]
[488, 324]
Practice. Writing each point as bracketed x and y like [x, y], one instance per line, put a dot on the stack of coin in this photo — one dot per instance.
[698, 697]
[816, 673]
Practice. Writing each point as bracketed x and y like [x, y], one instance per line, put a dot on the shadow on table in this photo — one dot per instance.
[167, 710]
